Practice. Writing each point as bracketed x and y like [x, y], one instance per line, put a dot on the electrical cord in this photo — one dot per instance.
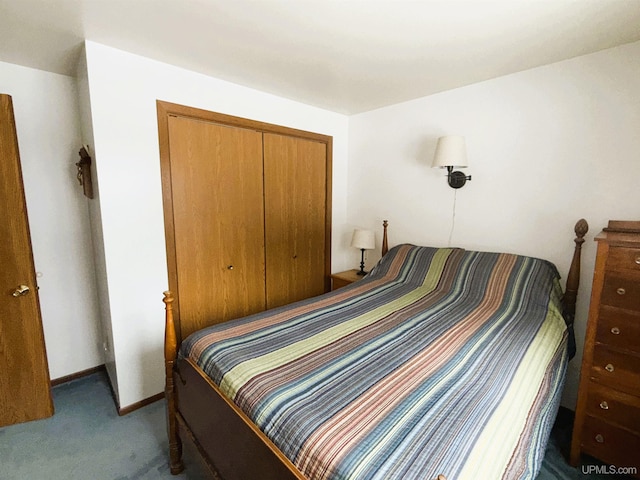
[453, 217]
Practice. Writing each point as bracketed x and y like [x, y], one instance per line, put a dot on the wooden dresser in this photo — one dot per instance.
[607, 422]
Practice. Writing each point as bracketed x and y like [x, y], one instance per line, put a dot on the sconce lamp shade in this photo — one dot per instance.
[363, 239]
[451, 151]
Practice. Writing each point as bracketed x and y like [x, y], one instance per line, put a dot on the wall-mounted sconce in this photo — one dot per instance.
[364, 240]
[451, 152]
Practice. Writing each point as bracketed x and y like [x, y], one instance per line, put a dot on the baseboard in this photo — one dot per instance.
[77, 375]
[102, 368]
[142, 403]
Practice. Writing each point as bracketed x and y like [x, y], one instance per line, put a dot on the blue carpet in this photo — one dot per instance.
[86, 439]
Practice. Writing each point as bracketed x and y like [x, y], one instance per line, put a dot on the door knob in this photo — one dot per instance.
[20, 291]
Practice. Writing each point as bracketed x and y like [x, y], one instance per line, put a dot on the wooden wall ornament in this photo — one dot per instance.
[84, 172]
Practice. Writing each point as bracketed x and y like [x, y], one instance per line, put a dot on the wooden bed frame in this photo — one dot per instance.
[231, 446]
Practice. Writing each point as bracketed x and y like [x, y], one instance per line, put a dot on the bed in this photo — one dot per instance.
[440, 363]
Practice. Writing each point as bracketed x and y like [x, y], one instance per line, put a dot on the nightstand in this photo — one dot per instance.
[342, 279]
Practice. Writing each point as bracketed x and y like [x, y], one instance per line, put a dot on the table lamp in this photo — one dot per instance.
[364, 240]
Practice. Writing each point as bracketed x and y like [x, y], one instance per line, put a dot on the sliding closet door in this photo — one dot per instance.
[295, 179]
[218, 221]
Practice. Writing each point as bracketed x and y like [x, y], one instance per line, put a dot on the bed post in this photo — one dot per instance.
[170, 351]
[573, 279]
[385, 244]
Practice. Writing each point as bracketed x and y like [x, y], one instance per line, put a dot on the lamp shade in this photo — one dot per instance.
[363, 239]
[451, 151]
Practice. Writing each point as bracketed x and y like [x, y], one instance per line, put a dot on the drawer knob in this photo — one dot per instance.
[638, 260]
[604, 405]
[615, 331]
[230, 267]
[609, 367]
[599, 438]
[621, 291]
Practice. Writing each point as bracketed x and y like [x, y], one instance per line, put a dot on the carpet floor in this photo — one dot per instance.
[87, 440]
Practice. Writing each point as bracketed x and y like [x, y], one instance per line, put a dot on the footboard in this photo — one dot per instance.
[222, 432]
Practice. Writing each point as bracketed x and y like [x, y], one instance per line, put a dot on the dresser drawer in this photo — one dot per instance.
[621, 258]
[621, 290]
[614, 407]
[609, 443]
[619, 328]
[616, 369]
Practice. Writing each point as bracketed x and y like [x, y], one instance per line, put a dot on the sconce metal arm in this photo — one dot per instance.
[456, 179]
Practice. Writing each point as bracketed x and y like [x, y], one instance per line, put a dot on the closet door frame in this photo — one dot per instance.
[166, 110]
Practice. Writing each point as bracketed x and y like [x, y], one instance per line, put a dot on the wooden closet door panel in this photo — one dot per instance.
[217, 196]
[295, 179]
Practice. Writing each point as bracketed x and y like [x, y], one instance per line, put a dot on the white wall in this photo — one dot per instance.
[546, 147]
[95, 221]
[123, 90]
[46, 113]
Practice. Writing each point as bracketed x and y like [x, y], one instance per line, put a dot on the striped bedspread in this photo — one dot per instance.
[440, 361]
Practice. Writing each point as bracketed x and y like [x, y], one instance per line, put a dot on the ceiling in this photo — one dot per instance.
[348, 56]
